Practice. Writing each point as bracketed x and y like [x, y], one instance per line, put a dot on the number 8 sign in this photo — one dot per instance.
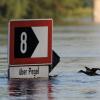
[23, 45]
[30, 42]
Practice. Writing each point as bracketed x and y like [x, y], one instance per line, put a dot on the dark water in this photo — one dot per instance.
[77, 46]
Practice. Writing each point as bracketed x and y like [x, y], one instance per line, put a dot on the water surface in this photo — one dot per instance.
[77, 46]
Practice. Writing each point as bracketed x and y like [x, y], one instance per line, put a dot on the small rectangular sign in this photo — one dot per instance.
[30, 42]
[28, 72]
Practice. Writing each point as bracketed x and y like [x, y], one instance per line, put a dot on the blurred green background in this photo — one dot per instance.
[60, 10]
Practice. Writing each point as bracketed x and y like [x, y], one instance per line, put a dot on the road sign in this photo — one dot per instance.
[30, 42]
[28, 72]
[55, 61]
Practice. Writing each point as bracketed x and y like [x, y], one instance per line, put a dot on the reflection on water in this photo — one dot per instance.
[28, 89]
[77, 46]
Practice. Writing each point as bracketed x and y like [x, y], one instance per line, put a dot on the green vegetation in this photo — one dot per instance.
[56, 9]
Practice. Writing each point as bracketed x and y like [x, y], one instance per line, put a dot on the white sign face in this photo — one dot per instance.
[42, 47]
[29, 72]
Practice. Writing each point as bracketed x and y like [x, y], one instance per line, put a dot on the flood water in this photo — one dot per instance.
[77, 46]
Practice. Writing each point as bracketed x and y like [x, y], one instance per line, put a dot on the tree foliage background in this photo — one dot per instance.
[56, 9]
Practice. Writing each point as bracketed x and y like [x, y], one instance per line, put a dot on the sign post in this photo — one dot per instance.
[30, 48]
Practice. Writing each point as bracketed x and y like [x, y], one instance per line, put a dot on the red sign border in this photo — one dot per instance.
[30, 61]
